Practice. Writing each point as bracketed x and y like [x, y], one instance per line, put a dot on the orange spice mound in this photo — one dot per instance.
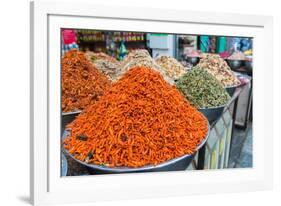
[82, 83]
[141, 120]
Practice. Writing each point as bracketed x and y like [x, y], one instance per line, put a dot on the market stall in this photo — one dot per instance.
[144, 106]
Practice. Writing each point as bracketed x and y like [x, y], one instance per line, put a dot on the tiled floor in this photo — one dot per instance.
[241, 149]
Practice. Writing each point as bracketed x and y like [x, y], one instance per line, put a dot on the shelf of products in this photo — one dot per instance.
[100, 36]
[110, 41]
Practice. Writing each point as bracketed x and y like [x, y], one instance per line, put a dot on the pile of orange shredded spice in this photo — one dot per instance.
[82, 83]
[141, 120]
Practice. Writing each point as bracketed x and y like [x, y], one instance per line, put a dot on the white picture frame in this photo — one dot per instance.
[46, 184]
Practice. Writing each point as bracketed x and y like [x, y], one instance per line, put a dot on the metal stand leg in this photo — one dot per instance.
[201, 158]
[233, 121]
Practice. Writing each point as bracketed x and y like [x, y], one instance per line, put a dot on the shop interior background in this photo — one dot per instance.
[230, 142]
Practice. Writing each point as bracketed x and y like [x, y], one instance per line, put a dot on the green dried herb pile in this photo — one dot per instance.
[202, 89]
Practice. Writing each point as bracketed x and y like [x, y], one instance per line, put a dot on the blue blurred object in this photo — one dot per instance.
[122, 51]
[235, 43]
[246, 44]
[240, 44]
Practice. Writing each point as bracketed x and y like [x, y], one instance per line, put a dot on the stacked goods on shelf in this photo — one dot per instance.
[108, 65]
[141, 120]
[85, 35]
[202, 89]
[216, 66]
[95, 36]
[141, 57]
[128, 36]
[82, 83]
[171, 67]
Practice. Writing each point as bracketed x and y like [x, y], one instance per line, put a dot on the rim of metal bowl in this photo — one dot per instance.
[191, 57]
[234, 86]
[217, 107]
[64, 167]
[144, 168]
[69, 113]
[238, 60]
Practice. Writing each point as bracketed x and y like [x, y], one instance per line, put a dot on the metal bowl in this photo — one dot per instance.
[231, 89]
[212, 113]
[249, 66]
[176, 164]
[192, 60]
[68, 117]
[234, 64]
[64, 166]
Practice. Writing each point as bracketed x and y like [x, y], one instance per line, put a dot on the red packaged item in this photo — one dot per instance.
[69, 36]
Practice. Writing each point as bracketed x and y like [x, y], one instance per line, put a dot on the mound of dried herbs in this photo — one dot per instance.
[141, 57]
[171, 67]
[218, 67]
[202, 89]
[108, 65]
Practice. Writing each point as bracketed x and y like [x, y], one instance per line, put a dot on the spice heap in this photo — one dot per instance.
[141, 57]
[216, 66]
[237, 55]
[202, 89]
[82, 83]
[190, 52]
[108, 65]
[141, 120]
[171, 67]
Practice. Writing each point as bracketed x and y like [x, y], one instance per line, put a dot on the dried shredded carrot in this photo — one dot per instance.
[140, 120]
[82, 83]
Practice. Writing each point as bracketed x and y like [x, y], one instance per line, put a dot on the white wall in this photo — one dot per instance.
[14, 104]
[162, 45]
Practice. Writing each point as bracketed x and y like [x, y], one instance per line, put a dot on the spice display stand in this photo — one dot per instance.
[215, 153]
[244, 106]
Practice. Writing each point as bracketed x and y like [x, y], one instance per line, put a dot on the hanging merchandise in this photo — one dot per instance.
[246, 44]
[122, 51]
[204, 44]
[221, 44]
[213, 44]
[235, 44]
[110, 45]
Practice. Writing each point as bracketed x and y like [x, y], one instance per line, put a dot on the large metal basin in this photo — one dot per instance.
[176, 164]
[192, 60]
[234, 64]
[67, 118]
[213, 113]
[231, 90]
